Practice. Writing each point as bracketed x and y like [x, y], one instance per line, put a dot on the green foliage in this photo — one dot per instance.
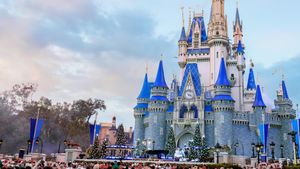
[204, 153]
[94, 152]
[171, 143]
[121, 137]
[61, 120]
[103, 148]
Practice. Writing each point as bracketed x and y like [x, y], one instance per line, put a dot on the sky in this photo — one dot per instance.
[100, 48]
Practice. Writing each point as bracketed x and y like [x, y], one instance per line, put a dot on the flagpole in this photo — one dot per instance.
[34, 134]
[95, 128]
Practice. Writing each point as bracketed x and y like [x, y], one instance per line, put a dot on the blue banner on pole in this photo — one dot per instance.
[296, 127]
[264, 131]
[94, 132]
[35, 130]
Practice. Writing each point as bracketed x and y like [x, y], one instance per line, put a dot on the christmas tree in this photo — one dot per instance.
[197, 141]
[171, 143]
[204, 151]
[93, 152]
[103, 147]
[121, 137]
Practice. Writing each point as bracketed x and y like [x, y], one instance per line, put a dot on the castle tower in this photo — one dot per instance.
[259, 108]
[140, 110]
[286, 114]
[249, 97]
[237, 30]
[239, 86]
[157, 110]
[182, 53]
[223, 105]
[218, 40]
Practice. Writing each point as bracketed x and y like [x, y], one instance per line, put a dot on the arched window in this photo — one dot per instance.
[195, 110]
[183, 109]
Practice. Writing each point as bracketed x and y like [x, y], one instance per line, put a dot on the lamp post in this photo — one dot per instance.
[281, 151]
[253, 150]
[28, 145]
[293, 135]
[153, 143]
[272, 146]
[259, 147]
[42, 144]
[1, 141]
[236, 145]
[218, 147]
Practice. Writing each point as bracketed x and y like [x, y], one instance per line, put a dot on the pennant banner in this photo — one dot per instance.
[296, 127]
[35, 130]
[264, 131]
[94, 132]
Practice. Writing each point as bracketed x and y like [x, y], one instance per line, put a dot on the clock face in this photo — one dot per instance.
[189, 94]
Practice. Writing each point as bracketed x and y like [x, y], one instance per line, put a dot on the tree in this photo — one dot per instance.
[171, 143]
[121, 137]
[197, 141]
[94, 152]
[103, 148]
[204, 151]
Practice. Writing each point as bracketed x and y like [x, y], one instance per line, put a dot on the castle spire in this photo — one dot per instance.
[258, 102]
[237, 18]
[145, 91]
[251, 80]
[222, 78]
[160, 77]
[284, 90]
[183, 35]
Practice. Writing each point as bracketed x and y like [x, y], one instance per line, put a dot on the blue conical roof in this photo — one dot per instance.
[240, 48]
[145, 92]
[183, 35]
[160, 77]
[284, 91]
[258, 102]
[251, 81]
[222, 78]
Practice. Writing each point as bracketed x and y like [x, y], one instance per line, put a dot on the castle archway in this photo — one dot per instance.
[184, 140]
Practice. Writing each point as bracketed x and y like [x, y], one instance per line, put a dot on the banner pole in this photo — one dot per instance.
[95, 126]
[34, 134]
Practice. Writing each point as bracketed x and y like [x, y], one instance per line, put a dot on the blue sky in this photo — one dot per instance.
[99, 48]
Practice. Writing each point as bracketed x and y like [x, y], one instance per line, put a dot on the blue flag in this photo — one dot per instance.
[35, 130]
[296, 127]
[94, 132]
[264, 131]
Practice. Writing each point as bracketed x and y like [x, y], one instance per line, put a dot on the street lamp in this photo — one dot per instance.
[236, 145]
[253, 150]
[259, 147]
[1, 141]
[28, 145]
[281, 151]
[38, 140]
[272, 146]
[218, 147]
[293, 135]
[153, 143]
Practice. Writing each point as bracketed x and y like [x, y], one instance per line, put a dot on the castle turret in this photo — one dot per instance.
[182, 53]
[259, 107]
[140, 110]
[157, 110]
[223, 105]
[286, 114]
[237, 30]
[218, 40]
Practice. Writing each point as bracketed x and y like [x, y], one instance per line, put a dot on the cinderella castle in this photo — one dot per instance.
[213, 91]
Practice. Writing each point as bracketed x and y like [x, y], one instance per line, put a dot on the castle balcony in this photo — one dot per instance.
[186, 121]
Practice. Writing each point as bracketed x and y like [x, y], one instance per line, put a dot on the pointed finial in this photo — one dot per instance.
[182, 13]
[147, 67]
[190, 18]
[251, 63]
[257, 79]
[282, 73]
[237, 4]
[202, 12]
[161, 56]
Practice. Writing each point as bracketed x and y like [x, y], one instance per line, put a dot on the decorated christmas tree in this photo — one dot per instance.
[103, 148]
[121, 137]
[204, 151]
[171, 143]
[197, 141]
[93, 152]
